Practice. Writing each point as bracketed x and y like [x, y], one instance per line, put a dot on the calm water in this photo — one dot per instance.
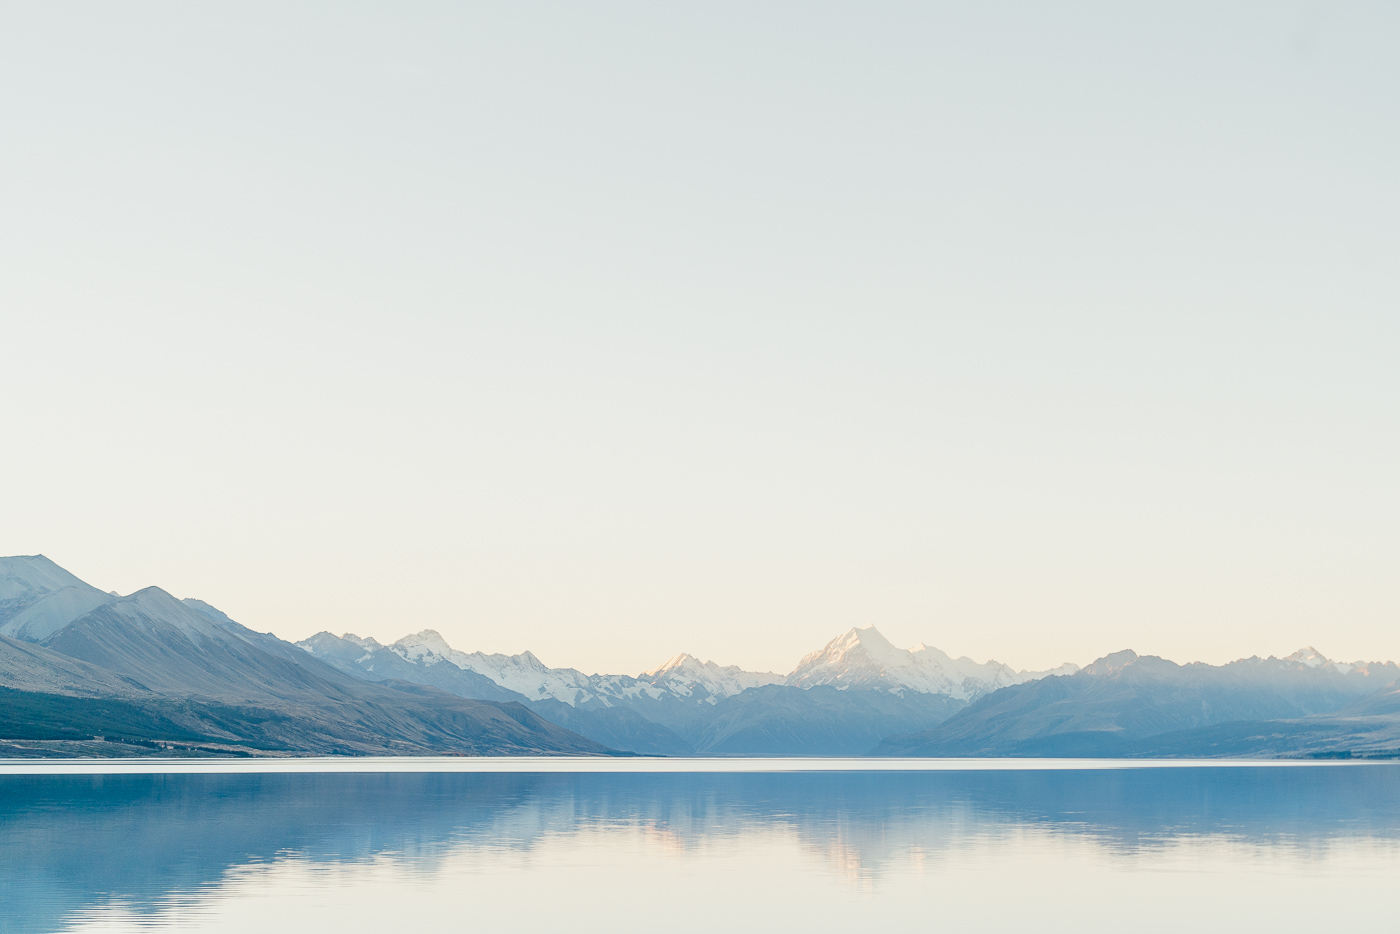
[1293, 849]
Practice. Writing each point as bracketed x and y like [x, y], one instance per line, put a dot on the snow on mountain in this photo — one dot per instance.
[524, 673]
[1310, 657]
[1360, 671]
[864, 658]
[860, 658]
[687, 676]
[368, 643]
[684, 676]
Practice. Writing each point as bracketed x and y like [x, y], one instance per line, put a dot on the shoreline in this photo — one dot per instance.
[308, 765]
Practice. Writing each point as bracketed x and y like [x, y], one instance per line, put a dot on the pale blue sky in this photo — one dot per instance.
[611, 331]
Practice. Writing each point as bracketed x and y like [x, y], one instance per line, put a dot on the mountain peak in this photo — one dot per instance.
[429, 639]
[25, 578]
[681, 662]
[863, 657]
[866, 634]
[154, 594]
[685, 673]
[1111, 663]
[1309, 656]
[863, 639]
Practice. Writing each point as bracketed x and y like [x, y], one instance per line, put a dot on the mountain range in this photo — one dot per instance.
[84, 671]
[158, 673]
[1130, 704]
[840, 700]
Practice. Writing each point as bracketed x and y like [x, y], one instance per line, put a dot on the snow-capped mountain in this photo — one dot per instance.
[1361, 673]
[683, 677]
[864, 658]
[524, 673]
[367, 659]
[860, 658]
[687, 676]
[683, 707]
[1312, 658]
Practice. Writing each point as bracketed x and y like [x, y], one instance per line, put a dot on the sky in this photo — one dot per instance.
[611, 331]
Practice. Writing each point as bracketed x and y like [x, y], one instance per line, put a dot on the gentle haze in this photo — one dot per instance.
[611, 331]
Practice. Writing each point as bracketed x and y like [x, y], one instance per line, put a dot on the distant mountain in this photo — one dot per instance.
[367, 659]
[190, 664]
[146, 668]
[524, 673]
[651, 713]
[869, 690]
[780, 720]
[864, 658]
[703, 681]
[1369, 726]
[857, 688]
[1119, 703]
[593, 710]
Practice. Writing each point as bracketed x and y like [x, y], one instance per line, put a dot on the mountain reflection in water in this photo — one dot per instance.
[735, 851]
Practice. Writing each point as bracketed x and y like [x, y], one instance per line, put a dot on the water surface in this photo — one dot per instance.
[1150, 849]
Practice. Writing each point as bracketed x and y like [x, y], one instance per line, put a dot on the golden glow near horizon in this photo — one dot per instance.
[617, 333]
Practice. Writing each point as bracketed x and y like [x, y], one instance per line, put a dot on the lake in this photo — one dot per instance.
[1013, 848]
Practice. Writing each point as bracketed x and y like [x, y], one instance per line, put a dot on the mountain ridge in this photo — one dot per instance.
[193, 662]
[74, 654]
[869, 689]
[862, 656]
[1122, 700]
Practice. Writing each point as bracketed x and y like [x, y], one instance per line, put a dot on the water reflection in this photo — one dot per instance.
[180, 851]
